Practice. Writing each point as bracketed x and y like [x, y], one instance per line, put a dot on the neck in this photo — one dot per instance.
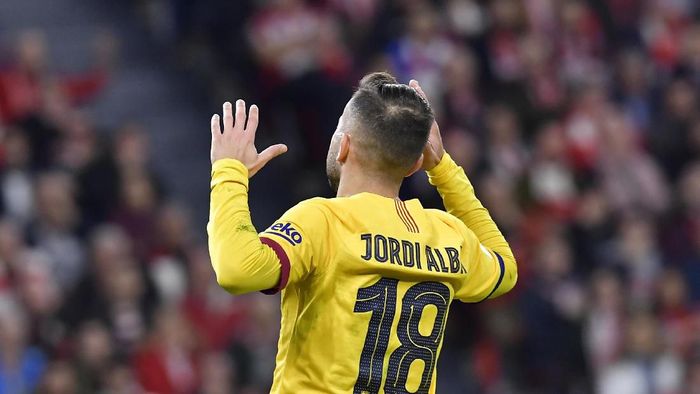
[354, 182]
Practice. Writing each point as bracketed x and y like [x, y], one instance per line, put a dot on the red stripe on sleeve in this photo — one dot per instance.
[284, 265]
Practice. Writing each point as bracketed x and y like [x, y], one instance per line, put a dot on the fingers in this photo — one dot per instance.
[240, 115]
[215, 127]
[228, 116]
[238, 120]
[253, 116]
[414, 84]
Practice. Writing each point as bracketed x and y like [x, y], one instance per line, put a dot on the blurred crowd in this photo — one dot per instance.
[577, 120]
[105, 284]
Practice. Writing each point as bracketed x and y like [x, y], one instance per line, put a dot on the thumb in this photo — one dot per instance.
[415, 85]
[265, 156]
[270, 153]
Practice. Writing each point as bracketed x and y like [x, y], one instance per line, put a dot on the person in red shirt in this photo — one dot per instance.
[166, 364]
[24, 82]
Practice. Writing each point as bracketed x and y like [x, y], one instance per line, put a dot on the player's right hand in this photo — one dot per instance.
[237, 141]
[434, 150]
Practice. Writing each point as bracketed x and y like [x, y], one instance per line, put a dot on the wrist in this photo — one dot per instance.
[229, 170]
[227, 162]
[442, 165]
[431, 164]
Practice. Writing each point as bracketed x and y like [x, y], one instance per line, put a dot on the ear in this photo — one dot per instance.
[344, 148]
[417, 166]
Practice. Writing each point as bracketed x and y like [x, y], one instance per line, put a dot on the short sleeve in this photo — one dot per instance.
[486, 270]
[298, 239]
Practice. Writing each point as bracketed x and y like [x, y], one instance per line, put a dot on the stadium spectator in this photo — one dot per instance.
[22, 84]
[22, 364]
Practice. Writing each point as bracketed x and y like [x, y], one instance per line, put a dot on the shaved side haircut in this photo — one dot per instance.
[391, 123]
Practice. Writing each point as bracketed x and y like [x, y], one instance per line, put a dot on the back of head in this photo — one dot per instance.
[390, 123]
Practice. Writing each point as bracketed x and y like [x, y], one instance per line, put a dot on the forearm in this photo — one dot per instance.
[242, 263]
[460, 201]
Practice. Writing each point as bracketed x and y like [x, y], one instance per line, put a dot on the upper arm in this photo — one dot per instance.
[298, 240]
[489, 273]
[241, 262]
[245, 261]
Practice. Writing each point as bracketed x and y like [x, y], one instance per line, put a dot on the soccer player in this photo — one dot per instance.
[366, 278]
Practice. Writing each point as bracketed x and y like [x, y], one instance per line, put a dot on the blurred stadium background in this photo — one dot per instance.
[578, 120]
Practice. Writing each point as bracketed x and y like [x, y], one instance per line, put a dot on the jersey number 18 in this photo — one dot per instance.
[380, 300]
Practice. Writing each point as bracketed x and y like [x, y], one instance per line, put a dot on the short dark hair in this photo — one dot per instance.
[393, 121]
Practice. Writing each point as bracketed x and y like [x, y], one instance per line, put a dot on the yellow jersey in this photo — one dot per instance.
[366, 280]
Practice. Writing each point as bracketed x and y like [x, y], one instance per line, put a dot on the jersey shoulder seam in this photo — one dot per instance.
[318, 203]
[446, 216]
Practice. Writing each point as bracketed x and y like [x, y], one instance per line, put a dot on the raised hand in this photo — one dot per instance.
[434, 150]
[237, 141]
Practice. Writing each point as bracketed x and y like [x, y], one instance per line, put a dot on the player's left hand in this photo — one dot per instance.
[237, 141]
[434, 150]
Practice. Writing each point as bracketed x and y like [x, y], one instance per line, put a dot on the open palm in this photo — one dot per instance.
[237, 141]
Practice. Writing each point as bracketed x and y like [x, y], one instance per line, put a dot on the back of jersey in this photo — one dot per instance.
[368, 285]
